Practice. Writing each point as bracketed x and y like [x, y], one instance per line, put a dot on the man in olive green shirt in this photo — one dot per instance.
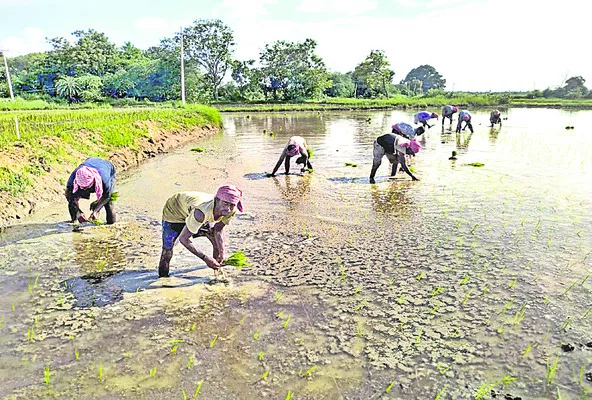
[192, 214]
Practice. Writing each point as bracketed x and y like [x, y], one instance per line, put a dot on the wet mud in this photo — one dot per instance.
[472, 283]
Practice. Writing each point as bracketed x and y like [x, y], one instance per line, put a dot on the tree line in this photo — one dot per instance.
[95, 69]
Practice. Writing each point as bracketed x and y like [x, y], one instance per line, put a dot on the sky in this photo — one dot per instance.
[477, 45]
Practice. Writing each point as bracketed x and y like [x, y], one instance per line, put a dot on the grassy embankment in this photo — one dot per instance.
[64, 136]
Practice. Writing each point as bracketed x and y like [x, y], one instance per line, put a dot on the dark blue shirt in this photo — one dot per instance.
[105, 169]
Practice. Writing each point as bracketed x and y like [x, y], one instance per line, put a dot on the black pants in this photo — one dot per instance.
[76, 212]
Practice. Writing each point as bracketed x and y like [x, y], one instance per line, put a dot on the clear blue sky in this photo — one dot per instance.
[475, 44]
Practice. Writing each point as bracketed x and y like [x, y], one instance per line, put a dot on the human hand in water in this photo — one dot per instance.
[210, 262]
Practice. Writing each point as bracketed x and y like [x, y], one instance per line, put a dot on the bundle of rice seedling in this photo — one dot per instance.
[238, 260]
[198, 149]
[476, 164]
[350, 164]
[114, 196]
[310, 152]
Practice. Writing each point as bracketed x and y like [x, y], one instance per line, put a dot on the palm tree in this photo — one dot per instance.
[68, 87]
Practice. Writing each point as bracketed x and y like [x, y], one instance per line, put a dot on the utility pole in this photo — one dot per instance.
[8, 76]
[182, 70]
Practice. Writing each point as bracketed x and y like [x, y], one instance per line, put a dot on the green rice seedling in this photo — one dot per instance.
[570, 286]
[474, 228]
[309, 371]
[31, 334]
[587, 313]
[198, 389]
[12, 307]
[287, 321]
[1, 322]
[552, 369]
[213, 341]
[350, 164]
[342, 271]
[581, 374]
[310, 152]
[546, 299]
[511, 284]
[441, 369]
[289, 395]
[184, 394]
[256, 334]
[536, 278]
[190, 362]
[485, 290]
[193, 326]
[76, 354]
[585, 279]
[436, 291]
[198, 149]
[174, 349]
[238, 260]
[566, 324]
[279, 315]
[420, 276]
[527, 351]
[242, 320]
[390, 387]
[418, 337]
[114, 196]
[272, 133]
[278, 296]
[519, 316]
[101, 372]
[465, 280]
[360, 306]
[441, 393]
[47, 376]
[464, 300]
[401, 299]
[434, 310]
[508, 305]
[265, 375]
[261, 354]
[153, 372]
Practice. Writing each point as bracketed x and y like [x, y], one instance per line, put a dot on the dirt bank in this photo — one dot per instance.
[49, 185]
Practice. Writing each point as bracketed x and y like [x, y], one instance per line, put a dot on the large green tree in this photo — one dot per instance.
[292, 70]
[342, 85]
[429, 77]
[373, 77]
[210, 45]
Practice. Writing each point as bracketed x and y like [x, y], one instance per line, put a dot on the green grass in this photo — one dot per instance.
[49, 138]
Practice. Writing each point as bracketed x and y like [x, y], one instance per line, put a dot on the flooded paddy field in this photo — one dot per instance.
[473, 283]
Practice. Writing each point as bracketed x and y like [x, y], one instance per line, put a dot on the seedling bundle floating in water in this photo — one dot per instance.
[238, 260]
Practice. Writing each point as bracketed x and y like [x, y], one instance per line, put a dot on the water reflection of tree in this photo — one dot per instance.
[94, 253]
[296, 189]
[392, 200]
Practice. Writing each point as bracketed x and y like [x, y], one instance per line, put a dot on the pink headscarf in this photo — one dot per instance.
[435, 115]
[455, 109]
[231, 194]
[413, 144]
[85, 176]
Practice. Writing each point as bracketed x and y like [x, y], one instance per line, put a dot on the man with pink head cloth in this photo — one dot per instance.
[94, 175]
[296, 147]
[423, 117]
[394, 146]
[189, 215]
[447, 112]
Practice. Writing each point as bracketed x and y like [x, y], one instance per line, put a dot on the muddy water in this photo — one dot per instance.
[447, 285]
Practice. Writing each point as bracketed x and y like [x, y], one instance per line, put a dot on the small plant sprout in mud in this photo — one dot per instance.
[184, 394]
[47, 376]
[174, 349]
[350, 164]
[287, 321]
[153, 372]
[485, 290]
[442, 368]
[76, 354]
[279, 315]
[441, 393]
[486, 388]
[465, 280]
[436, 291]
[1, 322]
[289, 395]
[213, 341]
[570, 286]
[511, 284]
[238, 260]
[418, 337]
[552, 369]
[256, 334]
[31, 334]
[192, 327]
[261, 354]
[508, 305]
[360, 330]
[401, 299]
[265, 375]
[581, 374]
[197, 389]
[587, 313]
[527, 350]
[420, 276]
[198, 149]
[190, 362]
[565, 324]
[464, 300]
[519, 316]
[390, 387]
[100, 376]
[278, 296]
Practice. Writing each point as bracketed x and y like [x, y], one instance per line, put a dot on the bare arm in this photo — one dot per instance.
[219, 240]
[96, 206]
[185, 239]
[403, 163]
[279, 163]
